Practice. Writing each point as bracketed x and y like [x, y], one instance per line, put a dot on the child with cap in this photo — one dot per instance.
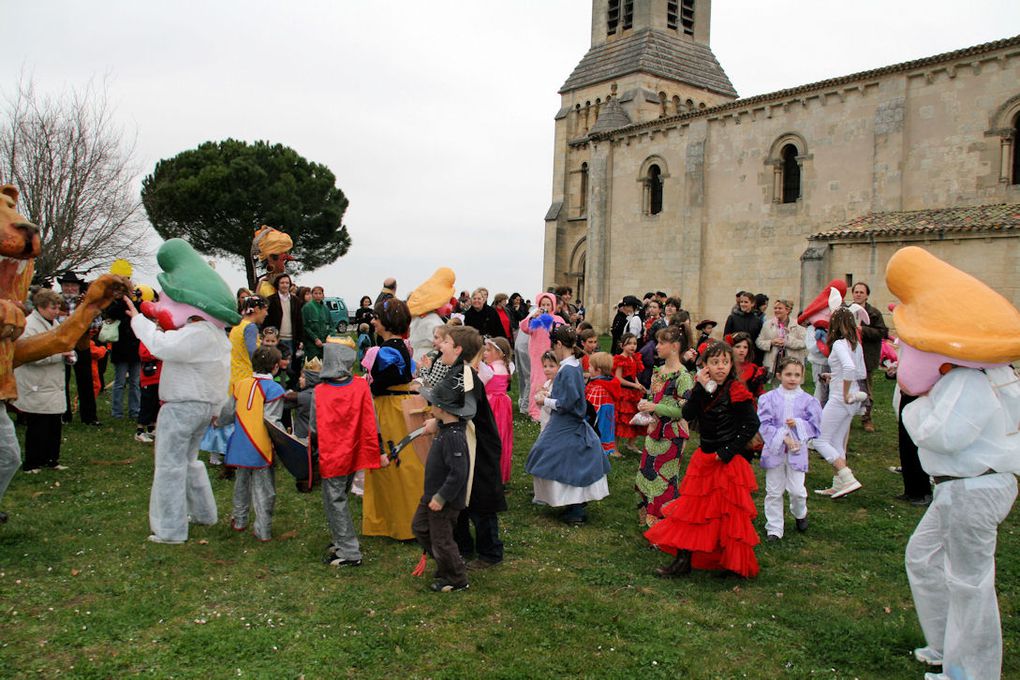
[343, 428]
[447, 471]
[193, 385]
[705, 328]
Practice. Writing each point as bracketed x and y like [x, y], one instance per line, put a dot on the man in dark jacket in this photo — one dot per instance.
[872, 335]
[284, 314]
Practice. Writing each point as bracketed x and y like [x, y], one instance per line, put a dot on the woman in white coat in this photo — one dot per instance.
[41, 389]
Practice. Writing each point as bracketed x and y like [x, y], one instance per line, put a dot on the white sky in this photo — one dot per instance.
[436, 117]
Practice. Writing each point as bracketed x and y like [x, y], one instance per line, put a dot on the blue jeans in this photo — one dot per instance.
[129, 371]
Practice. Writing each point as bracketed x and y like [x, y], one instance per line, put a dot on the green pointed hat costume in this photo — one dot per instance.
[188, 279]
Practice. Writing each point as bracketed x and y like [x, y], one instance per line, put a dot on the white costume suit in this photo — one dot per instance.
[965, 427]
[193, 387]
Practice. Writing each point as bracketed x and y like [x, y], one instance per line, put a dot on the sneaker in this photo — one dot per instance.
[844, 486]
[33, 471]
[936, 676]
[236, 527]
[929, 656]
[447, 587]
[165, 541]
[922, 502]
[338, 562]
[772, 538]
[143, 437]
[58, 467]
[3, 517]
[214, 458]
[895, 469]
[802, 524]
[830, 491]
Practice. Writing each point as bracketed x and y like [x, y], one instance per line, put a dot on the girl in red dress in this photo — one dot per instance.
[710, 525]
[626, 366]
[751, 374]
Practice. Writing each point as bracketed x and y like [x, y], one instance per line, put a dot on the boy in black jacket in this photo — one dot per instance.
[447, 476]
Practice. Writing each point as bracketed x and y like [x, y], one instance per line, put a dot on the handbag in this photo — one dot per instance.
[110, 332]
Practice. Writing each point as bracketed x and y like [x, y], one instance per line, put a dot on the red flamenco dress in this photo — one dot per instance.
[626, 407]
[711, 521]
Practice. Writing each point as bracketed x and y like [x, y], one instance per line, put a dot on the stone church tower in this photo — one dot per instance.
[664, 180]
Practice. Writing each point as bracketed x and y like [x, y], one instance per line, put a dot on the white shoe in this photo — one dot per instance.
[844, 485]
[936, 676]
[143, 437]
[830, 491]
[59, 467]
[928, 656]
[166, 541]
[215, 458]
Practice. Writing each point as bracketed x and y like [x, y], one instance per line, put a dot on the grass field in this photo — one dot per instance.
[84, 595]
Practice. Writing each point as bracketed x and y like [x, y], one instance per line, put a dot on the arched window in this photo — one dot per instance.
[1015, 177]
[791, 174]
[654, 190]
[584, 189]
[788, 157]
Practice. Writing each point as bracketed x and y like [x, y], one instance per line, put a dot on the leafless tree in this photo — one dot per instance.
[73, 167]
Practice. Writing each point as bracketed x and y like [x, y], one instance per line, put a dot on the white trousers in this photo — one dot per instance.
[778, 480]
[836, 419]
[951, 567]
[522, 367]
[180, 485]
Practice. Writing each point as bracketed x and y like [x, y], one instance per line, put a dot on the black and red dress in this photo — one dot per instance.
[713, 516]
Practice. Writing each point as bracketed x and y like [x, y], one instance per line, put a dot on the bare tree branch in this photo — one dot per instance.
[73, 167]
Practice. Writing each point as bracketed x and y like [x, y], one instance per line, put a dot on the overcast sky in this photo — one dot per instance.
[436, 117]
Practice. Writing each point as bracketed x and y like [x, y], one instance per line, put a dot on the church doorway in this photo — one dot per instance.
[575, 274]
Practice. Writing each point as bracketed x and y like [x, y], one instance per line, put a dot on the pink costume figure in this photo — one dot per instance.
[966, 424]
[538, 326]
[497, 387]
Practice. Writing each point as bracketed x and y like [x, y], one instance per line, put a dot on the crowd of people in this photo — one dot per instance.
[447, 364]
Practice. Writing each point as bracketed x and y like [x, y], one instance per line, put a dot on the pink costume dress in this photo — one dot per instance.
[538, 327]
[496, 389]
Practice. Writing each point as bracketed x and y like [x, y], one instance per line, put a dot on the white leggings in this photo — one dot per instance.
[836, 419]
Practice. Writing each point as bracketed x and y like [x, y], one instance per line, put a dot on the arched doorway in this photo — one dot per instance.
[575, 273]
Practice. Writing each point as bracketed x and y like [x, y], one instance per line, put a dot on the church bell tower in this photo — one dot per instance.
[648, 59]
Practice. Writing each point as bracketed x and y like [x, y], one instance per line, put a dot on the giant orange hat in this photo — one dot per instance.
[946, 311]
[433, 293]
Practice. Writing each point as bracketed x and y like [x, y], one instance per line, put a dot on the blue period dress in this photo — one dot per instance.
[567, 461]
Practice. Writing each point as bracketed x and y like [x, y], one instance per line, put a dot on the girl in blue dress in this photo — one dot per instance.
[566, 461]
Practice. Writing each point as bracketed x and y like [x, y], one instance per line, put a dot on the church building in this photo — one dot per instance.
[664, 179]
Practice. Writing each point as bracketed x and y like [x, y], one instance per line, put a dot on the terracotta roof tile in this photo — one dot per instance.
[996, 217]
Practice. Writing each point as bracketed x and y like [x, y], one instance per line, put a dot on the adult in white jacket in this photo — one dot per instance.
[41, 389]
[195, 305]
[965, 422]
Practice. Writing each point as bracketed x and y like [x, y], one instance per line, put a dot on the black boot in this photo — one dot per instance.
[680, 566]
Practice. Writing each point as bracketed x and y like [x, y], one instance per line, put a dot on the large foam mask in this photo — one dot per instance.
[191, 288]
[434, 294]
[934, 334]
[818, 312]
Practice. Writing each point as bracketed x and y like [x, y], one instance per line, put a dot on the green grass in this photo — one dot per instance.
[84, 595]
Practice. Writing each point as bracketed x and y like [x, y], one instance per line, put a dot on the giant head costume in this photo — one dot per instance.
[270, 248]
[946, 318]
[191, 288]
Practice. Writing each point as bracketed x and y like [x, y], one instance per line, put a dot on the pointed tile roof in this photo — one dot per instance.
[611, 117]
[656, 53]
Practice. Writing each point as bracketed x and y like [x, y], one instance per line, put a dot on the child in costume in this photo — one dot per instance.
[301, 415]
[566, 461]
[344, 430]
[602, 392]
[955, 359]
[428, 303]
[256, 398]
[193, 385]
[709, 525]
[550, 366]
[149, 381]
[658, 476]
[447, 479]
[538, 325]
[485, 497]
[751, 374]
[846, 370]
[790, 417]
[626, 365]
[589, 340]
[364, 340]
[496, 358]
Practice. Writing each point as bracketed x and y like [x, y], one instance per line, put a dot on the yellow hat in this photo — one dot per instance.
[434, 293]
[145, 293]
[121, 268]
[269, 241]
[946, 311]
